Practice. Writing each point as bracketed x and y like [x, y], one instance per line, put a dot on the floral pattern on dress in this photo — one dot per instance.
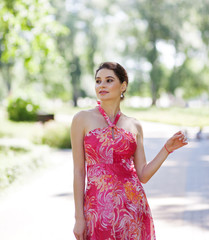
[115, 204]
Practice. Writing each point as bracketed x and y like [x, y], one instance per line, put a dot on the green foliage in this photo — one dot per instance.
[80, 46]
[28, 32]
[56, 135]
[22, 109]
[55, 45]
[138, 87]
[51, 133]
[28, 28]
[158, 26]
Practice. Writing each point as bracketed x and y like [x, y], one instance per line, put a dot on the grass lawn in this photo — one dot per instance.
[191, 117]
[11, 168]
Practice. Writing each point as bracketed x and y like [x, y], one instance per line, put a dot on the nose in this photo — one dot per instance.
[102, 84]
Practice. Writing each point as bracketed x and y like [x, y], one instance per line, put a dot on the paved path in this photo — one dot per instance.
[43, 207]
[178, 195]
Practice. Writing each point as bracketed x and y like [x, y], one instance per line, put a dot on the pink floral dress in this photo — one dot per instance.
[115, 203]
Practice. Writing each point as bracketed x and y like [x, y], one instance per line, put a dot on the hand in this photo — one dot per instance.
[80, 229]
[178, 140]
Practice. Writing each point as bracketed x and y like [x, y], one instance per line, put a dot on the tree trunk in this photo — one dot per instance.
[7, 76]
[154, 92]
[75, 72]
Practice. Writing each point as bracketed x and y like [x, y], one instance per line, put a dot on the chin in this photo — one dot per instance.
[106, 98]
[102, 97]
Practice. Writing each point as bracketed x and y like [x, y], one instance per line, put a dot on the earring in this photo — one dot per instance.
[122, 96]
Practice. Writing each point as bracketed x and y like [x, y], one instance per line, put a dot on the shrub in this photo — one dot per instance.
[22, 109]
[56, 135]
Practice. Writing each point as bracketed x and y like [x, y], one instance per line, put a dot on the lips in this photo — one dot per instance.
[103, 92]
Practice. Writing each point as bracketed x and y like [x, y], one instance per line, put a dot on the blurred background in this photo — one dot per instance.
[49, 50]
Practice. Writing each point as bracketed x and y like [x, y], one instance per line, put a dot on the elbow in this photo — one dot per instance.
[143, 180]
[142, 175]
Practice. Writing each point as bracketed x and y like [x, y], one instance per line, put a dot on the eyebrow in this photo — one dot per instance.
[106, 77]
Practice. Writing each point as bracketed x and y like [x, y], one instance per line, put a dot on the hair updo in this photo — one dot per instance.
[119, 71]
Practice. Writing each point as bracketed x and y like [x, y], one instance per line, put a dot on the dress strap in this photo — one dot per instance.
[111, 124]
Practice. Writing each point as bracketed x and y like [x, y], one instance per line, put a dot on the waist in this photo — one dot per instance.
[119, 169]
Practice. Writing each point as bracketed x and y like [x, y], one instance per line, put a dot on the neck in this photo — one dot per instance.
[111, 108]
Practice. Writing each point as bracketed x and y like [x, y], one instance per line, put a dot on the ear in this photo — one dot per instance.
[123, 86]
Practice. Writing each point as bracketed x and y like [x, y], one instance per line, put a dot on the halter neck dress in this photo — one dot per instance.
[115, 204]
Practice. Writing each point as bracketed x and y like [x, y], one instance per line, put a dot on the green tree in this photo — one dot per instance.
[27, 31]
[77, 48]
[152, 23]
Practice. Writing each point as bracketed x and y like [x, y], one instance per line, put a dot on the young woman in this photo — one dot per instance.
[109, 145]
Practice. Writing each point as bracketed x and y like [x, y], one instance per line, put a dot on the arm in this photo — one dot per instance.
[146, 171]
[77, 138]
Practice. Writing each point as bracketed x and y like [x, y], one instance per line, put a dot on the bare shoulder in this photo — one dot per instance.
[82, 118]
[80, 115]
[138, 125]
[134, 124]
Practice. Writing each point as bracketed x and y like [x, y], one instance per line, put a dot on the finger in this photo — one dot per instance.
[183, 137]
[183, 144]
[76, 236]
[85, 234]
[178, 136]
[184, 140]
[178, 133]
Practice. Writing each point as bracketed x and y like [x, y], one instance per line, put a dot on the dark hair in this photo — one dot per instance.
[119, 71]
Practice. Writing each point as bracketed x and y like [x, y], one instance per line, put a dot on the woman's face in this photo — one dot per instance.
[108, 85]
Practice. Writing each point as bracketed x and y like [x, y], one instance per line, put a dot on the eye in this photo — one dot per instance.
[98, 81]
[109, 80]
